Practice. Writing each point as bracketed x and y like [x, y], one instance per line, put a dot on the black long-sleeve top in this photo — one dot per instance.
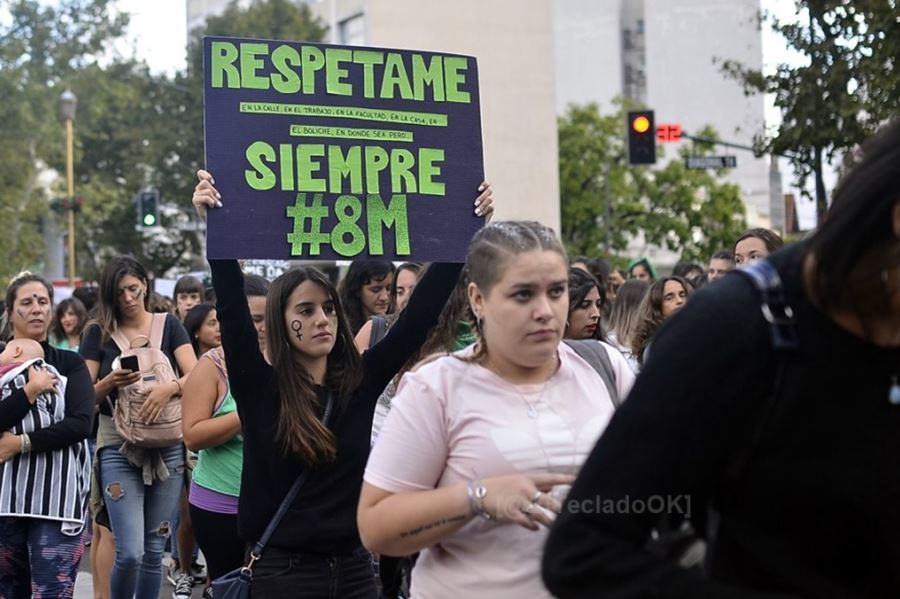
[814, 510]
[322, 519]
[79, 414]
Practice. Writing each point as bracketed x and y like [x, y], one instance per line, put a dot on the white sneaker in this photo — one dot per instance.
[183, 586]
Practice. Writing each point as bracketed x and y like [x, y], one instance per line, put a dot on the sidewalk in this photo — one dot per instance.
[84, 587]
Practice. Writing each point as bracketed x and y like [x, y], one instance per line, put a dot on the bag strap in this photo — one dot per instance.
[783, 334]
[256, 553]
[157, 328]
[378, 330]
[121, 340]
[595, 354]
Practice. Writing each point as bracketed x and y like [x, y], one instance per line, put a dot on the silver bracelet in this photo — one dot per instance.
[476, 492]
[26, 444]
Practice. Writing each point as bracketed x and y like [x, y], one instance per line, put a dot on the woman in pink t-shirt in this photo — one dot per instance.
[480, 446]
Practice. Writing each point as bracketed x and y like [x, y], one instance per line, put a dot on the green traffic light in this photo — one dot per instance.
[149, 220]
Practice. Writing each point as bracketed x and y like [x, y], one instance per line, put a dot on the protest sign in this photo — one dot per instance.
[334, 152]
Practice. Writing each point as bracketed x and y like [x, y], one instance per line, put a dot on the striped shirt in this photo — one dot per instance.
[51, 485]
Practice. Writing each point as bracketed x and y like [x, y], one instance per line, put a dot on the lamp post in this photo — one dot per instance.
[67, 104]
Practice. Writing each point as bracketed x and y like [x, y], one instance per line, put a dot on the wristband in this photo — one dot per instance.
[476, 492]
[26, 444]
[178, 384]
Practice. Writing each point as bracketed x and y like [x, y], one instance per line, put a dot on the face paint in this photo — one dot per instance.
[296, 325]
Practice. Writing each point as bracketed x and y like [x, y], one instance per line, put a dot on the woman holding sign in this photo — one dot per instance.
[314, 369]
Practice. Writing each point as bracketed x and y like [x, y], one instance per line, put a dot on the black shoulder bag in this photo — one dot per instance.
[236, 584]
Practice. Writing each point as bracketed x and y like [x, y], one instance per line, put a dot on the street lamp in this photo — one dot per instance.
[67, 104]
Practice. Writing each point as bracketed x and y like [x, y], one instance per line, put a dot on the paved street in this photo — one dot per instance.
[84, 587]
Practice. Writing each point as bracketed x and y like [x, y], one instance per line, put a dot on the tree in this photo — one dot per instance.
[847, 87]
[40, 49]
[686, 211]
[134, 129]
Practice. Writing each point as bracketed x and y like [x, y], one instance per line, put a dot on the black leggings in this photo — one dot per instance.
[217, 535]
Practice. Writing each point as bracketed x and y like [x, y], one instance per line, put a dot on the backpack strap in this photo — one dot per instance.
[783, 335]
[378, 330]
[767, 282]
[595, 354]
[121, 340]
[157, 328]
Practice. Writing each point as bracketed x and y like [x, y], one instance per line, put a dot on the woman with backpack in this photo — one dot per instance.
[497, 429]
[140, 486]
[44, 461]
[308, 411]
[779, 439]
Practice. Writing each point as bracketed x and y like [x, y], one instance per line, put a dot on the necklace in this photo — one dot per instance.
[532, 407]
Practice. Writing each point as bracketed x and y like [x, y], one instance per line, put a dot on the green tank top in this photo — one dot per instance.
[219, 468]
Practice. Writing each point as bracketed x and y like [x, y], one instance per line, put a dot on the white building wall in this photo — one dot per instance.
[588, 47]
[685, 86]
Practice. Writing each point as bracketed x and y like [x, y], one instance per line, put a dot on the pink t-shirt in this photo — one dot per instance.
[453, 421]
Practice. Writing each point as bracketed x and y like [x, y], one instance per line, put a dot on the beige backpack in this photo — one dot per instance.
[155, 369]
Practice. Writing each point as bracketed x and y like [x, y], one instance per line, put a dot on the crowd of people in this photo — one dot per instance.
[458, 429]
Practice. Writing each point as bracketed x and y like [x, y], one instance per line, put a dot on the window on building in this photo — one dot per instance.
[352, 31]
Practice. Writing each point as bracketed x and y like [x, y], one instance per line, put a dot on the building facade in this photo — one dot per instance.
[513, 43]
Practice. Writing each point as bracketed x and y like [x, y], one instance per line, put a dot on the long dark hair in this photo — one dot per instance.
[108, 307]
[300, 431]
[360, 273]
[856, 247]
[70, 303]
[580, 284]
[650, 314]
[194, 320]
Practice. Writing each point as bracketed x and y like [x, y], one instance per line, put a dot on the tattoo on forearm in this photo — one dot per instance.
[444, 522]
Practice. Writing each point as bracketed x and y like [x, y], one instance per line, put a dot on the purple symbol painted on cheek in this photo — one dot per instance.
[296, 326]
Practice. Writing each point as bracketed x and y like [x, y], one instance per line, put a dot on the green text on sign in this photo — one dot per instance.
[347, 238]
[295, 68]
[404, 117]
[350, 133]
[321, 168]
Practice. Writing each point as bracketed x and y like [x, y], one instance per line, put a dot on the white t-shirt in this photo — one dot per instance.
[453, 421]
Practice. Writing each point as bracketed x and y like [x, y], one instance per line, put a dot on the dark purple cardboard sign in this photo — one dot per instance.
[339, 152]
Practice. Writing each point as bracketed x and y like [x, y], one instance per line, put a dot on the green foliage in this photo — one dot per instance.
[848, 84]
[133, 129]
[686, 211]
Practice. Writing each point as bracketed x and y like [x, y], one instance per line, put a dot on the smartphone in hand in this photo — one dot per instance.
[130, 363]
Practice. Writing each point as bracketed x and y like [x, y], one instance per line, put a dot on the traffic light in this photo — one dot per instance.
[641, 137]
[148, 209]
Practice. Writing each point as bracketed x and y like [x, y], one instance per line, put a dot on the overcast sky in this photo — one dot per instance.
[158, 36]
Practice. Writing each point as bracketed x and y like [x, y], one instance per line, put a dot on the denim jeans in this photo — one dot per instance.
[284, 575]
[140, 516]
[36, 559]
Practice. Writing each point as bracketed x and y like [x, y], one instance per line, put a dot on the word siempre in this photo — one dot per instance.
[298, 168]
[291, 68]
